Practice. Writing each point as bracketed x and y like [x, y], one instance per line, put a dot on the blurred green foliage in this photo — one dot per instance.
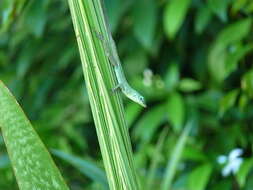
[192, 60]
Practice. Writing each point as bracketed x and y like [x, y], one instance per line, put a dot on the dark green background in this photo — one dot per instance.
[191, 59]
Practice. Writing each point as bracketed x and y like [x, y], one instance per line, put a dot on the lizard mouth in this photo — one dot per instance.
[144, 105]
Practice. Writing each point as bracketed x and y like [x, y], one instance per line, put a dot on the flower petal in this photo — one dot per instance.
[235, 153]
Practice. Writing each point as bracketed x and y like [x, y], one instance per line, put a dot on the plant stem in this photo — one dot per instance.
[107, 109]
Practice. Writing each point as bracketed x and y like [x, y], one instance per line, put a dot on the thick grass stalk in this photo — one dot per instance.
[107, 109]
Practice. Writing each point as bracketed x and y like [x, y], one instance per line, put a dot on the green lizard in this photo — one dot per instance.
[112, 54]
[122, 82]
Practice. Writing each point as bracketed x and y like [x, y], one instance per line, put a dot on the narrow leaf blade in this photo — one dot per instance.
[175, 157]
[87, 168]
[32, 164]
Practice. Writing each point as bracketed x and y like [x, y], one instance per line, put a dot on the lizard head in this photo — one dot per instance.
[138, 98]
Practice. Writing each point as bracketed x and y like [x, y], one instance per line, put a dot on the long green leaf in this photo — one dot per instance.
[32, 164]
[175, 12]
[199, 177]
[156, 160]
[175, 157]
[107, 109]
[85, 167]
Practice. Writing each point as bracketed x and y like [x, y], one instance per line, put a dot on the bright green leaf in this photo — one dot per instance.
[149, 122]
[236, 54]
[219, 50]
[228, 100]
[176, 156]
[157, 155]
[243, 101]
[176, 111]
[202, 19]
[219, 8]
[249, 7]
[32, 164]
[242, 174]
[145, 22]
[238, 5]
[172, 76]
[132, 112]
[174, 15]
[189, 85]
[135, 63]
[247, 82]
[115, 10]
[194, 154]
[35, 17]
[199, 177]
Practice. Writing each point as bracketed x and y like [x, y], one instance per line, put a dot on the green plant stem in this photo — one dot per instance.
[106, 106]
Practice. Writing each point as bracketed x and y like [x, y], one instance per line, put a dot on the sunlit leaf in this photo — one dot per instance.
[149, 122]
[199, 177]
[156, 158]
[228, 100]
[132, 112]
[218, 52]
[189, 85]
[32, 164]
[175, 12]
[34, 17]
[115, 10]
[243, 101]
[145, 22]
[238, 5]
[176, 111]
[172, 76]
[247, 82]
[175, 157]
[219, 8]
[235, 55]
[194, 154]
[243, 172]
[202, 19]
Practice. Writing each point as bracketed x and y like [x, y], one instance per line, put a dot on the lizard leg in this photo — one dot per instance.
[117, 87]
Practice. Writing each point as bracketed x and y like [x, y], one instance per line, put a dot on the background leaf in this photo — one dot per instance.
[244, 170]
[175, 157]
[175, 12]
[89, 169]
[198, 50]
[218, 53]
[144, 22]
[176, 111]
[199, 177]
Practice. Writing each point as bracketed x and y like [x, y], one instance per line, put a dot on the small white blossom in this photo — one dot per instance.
[147, 80]
[233, 162]
[222, 159]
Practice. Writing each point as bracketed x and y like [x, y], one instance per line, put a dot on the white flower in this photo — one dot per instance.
[233, 162]
[148, 74]
[222, 159]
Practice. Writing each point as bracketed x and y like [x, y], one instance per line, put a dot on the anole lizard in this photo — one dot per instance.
[112, 54]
